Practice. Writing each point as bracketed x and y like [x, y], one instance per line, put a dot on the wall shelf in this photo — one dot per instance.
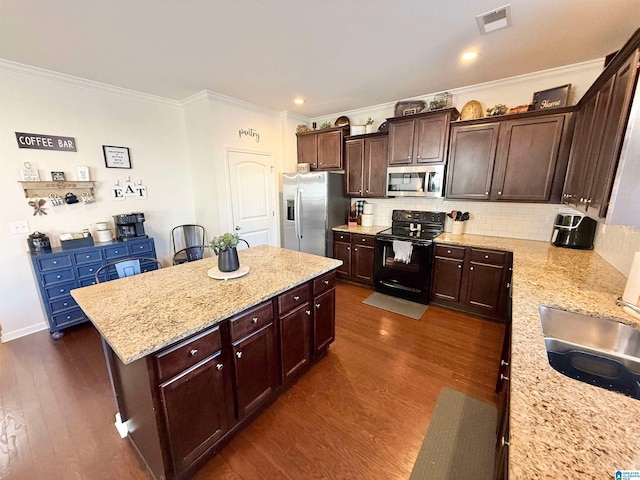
[33, 189]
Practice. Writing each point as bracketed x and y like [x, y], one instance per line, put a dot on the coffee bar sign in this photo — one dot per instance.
[41, 141]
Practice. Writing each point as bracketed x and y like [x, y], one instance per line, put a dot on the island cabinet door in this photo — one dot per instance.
[295, 340]
[324, 325]
[255, 364]
[195, 410]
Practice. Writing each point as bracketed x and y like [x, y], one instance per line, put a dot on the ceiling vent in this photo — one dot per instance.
[494, 20]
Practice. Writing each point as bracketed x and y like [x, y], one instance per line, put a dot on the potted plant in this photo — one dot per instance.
[224, 247]
[369, 125]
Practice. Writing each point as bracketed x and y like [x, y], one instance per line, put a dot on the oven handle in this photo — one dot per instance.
[400, 287]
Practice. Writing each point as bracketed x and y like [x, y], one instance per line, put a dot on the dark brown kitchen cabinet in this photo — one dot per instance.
[254, 357]
[194, 409]
[295, 315]
[503, 393]
[324, 326]
[603, 117]
[515, 158]
[322, 149]
[472, 279]
[366, 165]
[355, 250]
[420, 138]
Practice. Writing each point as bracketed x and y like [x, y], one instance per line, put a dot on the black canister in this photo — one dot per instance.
[38, 242]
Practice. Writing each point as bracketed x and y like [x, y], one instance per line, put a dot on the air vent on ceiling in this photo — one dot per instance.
[495, 19]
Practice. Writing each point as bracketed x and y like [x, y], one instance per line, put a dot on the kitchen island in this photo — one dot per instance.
[194, 359]
[560, 427]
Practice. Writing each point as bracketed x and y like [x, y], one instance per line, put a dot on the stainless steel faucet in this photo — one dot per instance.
[623, 303]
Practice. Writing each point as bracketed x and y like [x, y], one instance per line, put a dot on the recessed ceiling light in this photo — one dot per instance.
[299, 101]
[469, 55]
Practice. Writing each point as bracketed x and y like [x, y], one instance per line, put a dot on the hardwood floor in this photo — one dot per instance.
[360, 413]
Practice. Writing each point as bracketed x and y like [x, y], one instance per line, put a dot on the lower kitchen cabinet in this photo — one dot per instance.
[183, 403]
[471, 279]
[501, 470]
[356, 252]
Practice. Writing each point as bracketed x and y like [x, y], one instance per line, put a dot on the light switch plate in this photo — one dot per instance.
[19, 227]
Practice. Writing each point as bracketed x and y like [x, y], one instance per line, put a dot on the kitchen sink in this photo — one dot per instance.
[596, 350]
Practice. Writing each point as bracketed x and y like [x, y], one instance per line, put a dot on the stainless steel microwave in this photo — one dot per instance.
[415, 181]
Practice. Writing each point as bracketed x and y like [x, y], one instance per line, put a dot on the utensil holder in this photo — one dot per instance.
[457, 228]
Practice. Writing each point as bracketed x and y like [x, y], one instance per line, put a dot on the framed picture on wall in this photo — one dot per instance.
[116, 157]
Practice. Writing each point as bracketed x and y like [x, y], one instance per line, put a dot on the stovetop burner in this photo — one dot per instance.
[414, 225]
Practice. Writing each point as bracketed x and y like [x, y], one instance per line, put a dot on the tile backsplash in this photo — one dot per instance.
[531, 221]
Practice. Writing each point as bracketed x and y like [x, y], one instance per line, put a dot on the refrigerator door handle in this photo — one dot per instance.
[297, 213]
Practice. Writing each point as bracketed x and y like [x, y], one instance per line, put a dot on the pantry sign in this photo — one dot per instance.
[41, 141]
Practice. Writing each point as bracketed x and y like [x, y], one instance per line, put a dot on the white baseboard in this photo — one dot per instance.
[23, 332]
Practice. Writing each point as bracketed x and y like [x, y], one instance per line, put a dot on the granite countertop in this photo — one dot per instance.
[561, 427]
[141, 314]
[360, 229]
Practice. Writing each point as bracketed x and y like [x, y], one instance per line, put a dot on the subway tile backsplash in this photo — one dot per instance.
[530, 221]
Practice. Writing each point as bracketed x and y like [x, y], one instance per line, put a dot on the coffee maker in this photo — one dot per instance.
[129, 226]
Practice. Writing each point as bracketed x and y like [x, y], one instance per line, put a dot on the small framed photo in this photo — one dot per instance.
[409, 111]
[553, 98]
[116, 157]
[57, 176]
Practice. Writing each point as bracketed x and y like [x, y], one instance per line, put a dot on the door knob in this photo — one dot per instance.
[237, 227]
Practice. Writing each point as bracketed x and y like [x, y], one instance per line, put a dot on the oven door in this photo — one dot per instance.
[410, 281]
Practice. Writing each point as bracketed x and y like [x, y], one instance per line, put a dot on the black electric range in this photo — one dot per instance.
[403, 254]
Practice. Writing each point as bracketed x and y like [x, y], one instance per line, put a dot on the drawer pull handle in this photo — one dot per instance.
[308, 312]
[193, 352]
[326, 282]
[503, 363]
[239, 354]
[296, 298]
[502, 377]
[254, 320]
[317, 305]
[219, 366]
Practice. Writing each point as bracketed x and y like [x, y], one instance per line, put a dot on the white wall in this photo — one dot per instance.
[95, 115]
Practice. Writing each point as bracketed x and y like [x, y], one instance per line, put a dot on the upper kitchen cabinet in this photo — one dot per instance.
[366, 165]
[322, 149]
[420, 138]
[515, 158]
[603, 169]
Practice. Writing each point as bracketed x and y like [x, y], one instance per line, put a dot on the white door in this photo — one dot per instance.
[253, 187]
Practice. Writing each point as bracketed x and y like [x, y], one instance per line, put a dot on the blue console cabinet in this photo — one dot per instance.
[60, 271]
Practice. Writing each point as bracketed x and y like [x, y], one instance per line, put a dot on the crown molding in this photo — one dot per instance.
[518, 80]
[70, 80]
[213, 96]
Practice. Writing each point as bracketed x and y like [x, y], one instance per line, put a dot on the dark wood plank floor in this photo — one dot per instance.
[361, 413]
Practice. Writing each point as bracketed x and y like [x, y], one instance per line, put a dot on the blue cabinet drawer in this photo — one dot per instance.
[88, 270]
[68, 318]
[51, 262]
[115, 252]
[144, 248]
[59, 290]
[85, 282]
[57, 276]
[62, 304]
[87, 257]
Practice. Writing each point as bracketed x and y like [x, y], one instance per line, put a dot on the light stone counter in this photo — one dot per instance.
[561, 428]
[360, 229]
[144, 313]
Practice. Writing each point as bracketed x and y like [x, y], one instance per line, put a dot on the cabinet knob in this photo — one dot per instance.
[254, 320]
[193, 352]
[502, 377]
[317, 305]
[409, 158]
[62, 290]
[348, 248]
[419, 156]
[55, 262]
[364, 239]
[355, 249]
[499, 192]
[366, 191]
[459, 266]
[65, 304]
[326, 282]
[503, 442]
[588, 201]
[448, 251]
[59, 276]
[239, 354]
[341, 237]
[470, 268]
[359, 191]
[486, 193]
[503, 363]
[88, 256]
[219, 366]
[308, 312]
[117, 251]
[296, 298]
[486, 256]
[68, 317]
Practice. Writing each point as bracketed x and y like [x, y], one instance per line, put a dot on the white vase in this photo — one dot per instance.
[368, 128]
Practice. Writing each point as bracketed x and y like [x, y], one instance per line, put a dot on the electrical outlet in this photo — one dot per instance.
[19, 227]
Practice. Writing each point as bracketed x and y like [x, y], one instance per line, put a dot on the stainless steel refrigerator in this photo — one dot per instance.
[313, 203]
